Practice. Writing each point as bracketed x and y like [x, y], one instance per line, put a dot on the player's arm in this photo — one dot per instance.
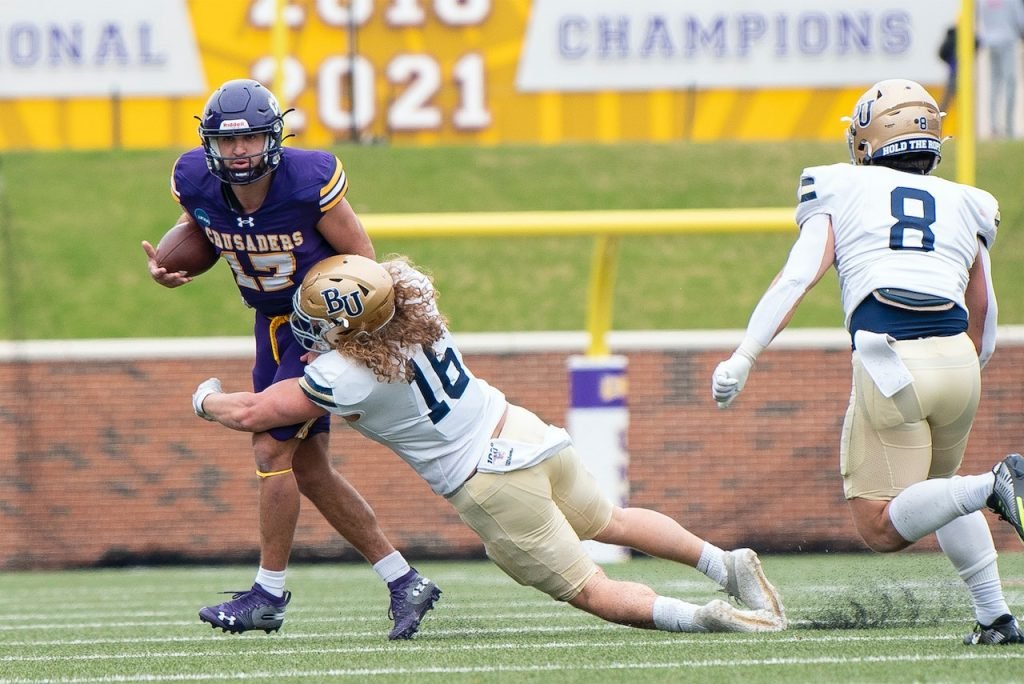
[809, 259]
[344, 231]
[161, 274]
[980, 298]
[283, 403]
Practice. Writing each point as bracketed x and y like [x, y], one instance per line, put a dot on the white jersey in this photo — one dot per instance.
[440, 424]
[898, 230]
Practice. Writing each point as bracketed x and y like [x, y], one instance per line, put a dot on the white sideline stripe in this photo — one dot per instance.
[479, 343]
[669, 638]
[349, 619]
[1002, 654]
[446, 648]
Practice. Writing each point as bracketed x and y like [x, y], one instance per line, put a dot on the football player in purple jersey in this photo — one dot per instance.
[271, 213]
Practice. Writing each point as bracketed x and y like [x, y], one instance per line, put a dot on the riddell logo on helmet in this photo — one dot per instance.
[234, 125]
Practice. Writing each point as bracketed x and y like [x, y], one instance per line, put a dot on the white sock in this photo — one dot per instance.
[972, 491]
[271, 580]
[673, 615]
[712, 563]
[924, 507]
[967, 542]
[391, 567]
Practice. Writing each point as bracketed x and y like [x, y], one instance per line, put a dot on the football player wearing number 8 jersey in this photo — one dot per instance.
[392, 370]
[271, 213]
[912, 254]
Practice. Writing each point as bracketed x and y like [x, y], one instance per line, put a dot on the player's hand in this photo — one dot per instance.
[729, 378]
[205, 389]
[161, 274]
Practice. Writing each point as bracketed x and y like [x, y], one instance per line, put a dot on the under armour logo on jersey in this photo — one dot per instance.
[335, 302]
[246, 222]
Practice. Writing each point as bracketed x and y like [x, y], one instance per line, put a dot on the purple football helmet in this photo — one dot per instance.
[242, 107]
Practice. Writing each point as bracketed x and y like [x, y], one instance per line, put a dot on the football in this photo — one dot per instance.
[185, 248]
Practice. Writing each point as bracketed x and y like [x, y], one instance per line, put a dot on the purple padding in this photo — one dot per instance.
[597, 387]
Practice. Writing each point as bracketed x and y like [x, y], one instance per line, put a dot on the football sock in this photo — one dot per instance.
[967, 542]
[673, 615]
[271, 580]
[712, 563]
[392, 566]
[924, 507]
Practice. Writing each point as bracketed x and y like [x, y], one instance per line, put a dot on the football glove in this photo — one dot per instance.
[729, 377]
[205, 389]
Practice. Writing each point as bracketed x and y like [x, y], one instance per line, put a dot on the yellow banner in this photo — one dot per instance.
[425, 72]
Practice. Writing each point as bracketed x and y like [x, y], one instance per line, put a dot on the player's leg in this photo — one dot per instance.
[637, 605]
[1012, 70]
[944, 396]
[529, 538]
[966, 540]
[337, 500]
[576, 493]
[738, 571]
[263, 606]
[279, 356]
[278, 499]
[997, 71]
[885, 448]
[412, 594]
[898, 453]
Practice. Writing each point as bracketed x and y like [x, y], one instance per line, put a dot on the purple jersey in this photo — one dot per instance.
[270, 250]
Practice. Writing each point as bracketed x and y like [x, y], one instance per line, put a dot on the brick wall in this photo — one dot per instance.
[103, 461]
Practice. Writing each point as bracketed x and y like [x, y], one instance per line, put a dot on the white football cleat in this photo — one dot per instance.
[747, 583]
[719, 616]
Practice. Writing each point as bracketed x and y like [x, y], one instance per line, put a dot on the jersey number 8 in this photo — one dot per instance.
[900, 197]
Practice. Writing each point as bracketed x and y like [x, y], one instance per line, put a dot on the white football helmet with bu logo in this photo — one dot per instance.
[339, 296]
[897, 121]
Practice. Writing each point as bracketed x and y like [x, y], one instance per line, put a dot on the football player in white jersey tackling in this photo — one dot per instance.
[912, 254]
[391, 369]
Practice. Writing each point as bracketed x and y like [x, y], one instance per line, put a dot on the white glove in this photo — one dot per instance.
[729, 378]
[205, 389]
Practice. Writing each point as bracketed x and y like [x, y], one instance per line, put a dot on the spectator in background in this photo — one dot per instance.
[948, 54]
[390, 368]
[911, 252]
[1000, 28]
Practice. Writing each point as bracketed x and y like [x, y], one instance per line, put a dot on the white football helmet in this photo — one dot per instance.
[896, 118]
[341, 295]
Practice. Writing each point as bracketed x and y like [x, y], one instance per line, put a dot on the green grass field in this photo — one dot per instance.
[855, 618]
[71, 223]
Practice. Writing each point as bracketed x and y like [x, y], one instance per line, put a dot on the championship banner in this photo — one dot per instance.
[70, 48]
[126, 73]
[593, 45]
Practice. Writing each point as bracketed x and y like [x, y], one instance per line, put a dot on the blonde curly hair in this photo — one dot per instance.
[417, 321]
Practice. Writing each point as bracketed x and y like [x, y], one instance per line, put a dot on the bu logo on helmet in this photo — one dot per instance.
[335, 302]
[862, 116]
